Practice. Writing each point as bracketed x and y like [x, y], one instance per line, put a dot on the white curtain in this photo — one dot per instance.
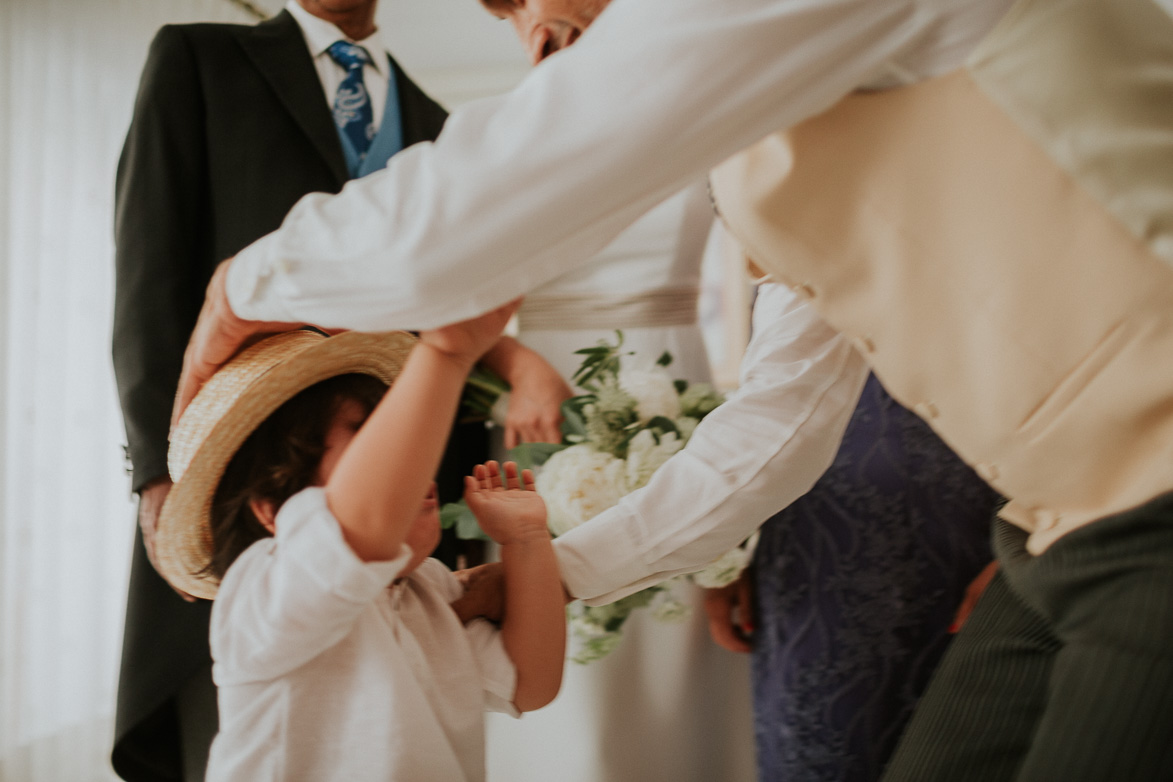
[68, 74]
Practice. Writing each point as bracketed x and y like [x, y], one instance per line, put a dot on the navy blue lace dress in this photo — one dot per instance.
[857, 584]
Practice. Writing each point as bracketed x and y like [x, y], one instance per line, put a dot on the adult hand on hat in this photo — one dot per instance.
[150, 504]
[218, 335]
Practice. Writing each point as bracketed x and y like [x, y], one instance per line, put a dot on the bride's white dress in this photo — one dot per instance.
[668, 704]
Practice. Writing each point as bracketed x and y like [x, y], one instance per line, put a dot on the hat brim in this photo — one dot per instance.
[228, 409]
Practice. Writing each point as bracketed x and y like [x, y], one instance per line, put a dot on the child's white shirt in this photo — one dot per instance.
[326, 673]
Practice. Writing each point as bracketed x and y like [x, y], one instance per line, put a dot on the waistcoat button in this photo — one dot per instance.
[1046, 519]
[926, 410]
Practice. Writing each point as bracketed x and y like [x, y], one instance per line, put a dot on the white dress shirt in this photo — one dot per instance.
[520, 188]
[535, 181]
[320, 34]
[327, 672]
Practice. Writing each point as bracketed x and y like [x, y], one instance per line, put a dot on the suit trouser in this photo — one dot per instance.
[1065, 669]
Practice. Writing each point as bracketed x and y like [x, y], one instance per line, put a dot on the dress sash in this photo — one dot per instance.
[674, 306]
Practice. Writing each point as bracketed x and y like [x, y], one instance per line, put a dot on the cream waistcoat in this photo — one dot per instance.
[999, 244]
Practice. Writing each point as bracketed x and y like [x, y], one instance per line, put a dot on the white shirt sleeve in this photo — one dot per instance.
[287, 599]
[498, 673]
[755, 454]
[654, 94]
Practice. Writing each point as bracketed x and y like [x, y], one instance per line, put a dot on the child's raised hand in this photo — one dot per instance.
[505, 503]
[469, 339]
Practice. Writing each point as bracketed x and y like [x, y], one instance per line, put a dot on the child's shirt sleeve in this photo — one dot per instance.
[289, 598]
[498, 673]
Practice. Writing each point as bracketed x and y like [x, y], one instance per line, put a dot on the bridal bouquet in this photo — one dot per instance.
[616, 435]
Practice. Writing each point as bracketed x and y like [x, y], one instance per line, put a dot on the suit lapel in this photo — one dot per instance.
[422, 118]
[278, 50]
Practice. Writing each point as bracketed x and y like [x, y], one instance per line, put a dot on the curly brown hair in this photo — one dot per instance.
[279, 459]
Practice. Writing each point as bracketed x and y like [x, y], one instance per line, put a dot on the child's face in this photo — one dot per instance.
[424, 535]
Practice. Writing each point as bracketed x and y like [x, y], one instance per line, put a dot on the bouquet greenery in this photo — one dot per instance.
[625, 425]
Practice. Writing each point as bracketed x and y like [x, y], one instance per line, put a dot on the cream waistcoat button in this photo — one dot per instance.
[988, 472]
[1046, 519]
[926, 410]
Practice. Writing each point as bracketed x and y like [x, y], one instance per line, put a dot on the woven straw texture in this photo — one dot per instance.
[238, 398]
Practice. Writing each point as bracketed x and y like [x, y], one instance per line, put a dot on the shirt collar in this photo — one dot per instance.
[320, 34]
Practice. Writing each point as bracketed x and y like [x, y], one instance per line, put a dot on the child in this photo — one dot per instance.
[336, 653]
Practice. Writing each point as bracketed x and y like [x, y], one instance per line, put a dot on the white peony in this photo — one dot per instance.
[653, 390]
[645, 455]
[578, 484]
[724, 570]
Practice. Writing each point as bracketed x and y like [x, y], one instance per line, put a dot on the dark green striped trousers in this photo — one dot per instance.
[1065, 669]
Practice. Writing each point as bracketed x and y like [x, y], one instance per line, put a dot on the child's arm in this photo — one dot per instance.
[380, 482]
[534, 625]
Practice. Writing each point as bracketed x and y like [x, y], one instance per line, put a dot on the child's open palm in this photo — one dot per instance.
[504, 502]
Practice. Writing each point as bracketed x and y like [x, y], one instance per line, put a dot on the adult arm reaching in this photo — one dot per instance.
[536, 394]
[523, 185]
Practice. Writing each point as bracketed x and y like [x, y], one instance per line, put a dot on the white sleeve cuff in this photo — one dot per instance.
[251, 274]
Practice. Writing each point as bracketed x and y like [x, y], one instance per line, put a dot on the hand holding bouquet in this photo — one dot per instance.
[627, 423]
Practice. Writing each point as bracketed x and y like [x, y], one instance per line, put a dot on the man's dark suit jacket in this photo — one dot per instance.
[231, 128]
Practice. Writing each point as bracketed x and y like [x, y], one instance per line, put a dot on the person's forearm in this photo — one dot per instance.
[508, 358]
[652, 96]
[537, 391]
[379, 484]
[534, 626]
[752, 456]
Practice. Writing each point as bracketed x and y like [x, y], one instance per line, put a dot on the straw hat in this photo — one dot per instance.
[238, 398]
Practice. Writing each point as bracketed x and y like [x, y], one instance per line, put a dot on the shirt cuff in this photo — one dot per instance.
[589, 577]
[252, 276]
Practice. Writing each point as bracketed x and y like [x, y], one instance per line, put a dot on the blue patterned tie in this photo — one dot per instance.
[352, 105]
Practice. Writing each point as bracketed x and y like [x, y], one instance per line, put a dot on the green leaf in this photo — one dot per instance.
[620, 450]
[487, 380]
[482, 389]
[531, 455]
[449, 513]
[458, 515]
[601, 361]
[573, 421]
[661, 425]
